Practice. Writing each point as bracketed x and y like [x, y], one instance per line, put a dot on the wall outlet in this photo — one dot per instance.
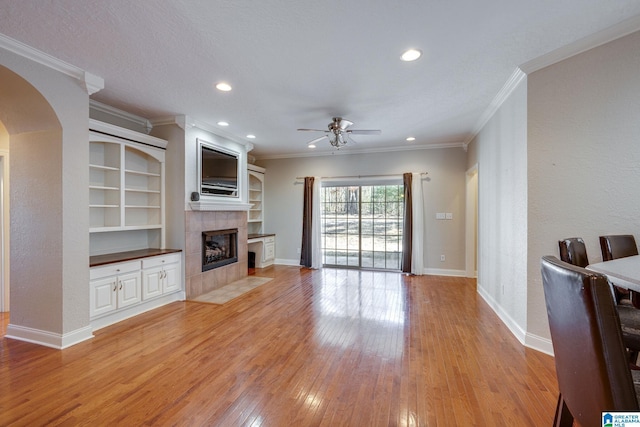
[298, 251]
[449, 215]
[441, 257]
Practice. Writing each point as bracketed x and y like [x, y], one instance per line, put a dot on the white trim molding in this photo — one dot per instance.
[511, 84]
[116, 112]
[49, 339]
[509, 322]
[205, 205]
[186, 122]
[444, 272]
[90, 82]
[607, 35]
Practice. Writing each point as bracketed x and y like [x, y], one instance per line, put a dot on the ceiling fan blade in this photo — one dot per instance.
[364, 131]
[317, 140]
[313, 130]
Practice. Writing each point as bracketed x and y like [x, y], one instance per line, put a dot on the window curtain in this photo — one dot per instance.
[417, 235]
[316, 226]
[413, 225]
[310, 249]
[407, 224]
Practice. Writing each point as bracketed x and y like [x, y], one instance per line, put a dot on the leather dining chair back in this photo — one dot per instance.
[618, 246]
[582, 314]
[574, 251]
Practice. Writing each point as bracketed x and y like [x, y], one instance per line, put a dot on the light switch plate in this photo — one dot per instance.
[449, 215]
[440, 215]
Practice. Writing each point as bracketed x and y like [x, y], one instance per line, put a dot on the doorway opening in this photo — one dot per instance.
[362, 226]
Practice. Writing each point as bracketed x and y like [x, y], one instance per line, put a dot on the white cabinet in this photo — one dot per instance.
[264, 247]
[114, 287]
[255, 179]
[126, 183]
[160, 275]
[119, 290]
[269, 253]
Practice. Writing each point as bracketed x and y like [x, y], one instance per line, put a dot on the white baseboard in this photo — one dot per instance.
[283, 261]
[49, 339]
[541, 344]
[444, 272]
[513, 326]
[527, 339]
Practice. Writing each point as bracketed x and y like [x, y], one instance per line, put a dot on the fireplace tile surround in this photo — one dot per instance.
[197, 281]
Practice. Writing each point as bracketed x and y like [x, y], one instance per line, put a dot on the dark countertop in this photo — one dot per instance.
[97, 260]
[258, 236]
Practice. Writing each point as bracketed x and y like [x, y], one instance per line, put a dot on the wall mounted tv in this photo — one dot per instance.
[218, 172]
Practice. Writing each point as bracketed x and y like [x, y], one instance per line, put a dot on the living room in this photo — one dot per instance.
[556, 155]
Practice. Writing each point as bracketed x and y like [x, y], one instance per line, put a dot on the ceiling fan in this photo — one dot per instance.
[338, 132]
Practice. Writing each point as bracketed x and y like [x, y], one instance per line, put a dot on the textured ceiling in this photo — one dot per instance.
[298, 63]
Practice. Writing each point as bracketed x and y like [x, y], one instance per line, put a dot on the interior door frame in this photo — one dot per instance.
[471, 222]
[4, 231]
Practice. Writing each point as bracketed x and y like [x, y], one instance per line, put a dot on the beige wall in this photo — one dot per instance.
[560, 158]
[583, 157]
[444, 191]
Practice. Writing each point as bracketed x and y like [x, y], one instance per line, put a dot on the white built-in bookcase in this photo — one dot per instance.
[126, 186]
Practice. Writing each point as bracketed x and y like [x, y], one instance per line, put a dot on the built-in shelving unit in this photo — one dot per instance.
[256, 199]
[126, 173]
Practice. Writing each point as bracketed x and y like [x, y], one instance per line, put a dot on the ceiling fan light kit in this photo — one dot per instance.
[338, 133]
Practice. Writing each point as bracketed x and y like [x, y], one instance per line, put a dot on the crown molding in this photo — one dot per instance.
[338, 152]
[599, 38]
[90, 82]
[186, 122]
[512, 83]
[607, 35]
[116, 112]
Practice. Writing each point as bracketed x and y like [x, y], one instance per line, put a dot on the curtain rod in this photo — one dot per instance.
[360, 176]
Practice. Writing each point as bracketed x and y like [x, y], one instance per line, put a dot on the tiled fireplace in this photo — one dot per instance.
[199, 282]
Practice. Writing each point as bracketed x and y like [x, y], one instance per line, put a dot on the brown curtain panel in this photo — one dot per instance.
[307, 209]
[407, 223]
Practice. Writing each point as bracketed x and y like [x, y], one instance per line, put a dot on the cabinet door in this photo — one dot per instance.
[103, 295]
[151, 283]
[171, 280]
[129, 289]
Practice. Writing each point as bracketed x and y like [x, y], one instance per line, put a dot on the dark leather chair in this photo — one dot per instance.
[582, 314]
[574, 251]
[620, 246]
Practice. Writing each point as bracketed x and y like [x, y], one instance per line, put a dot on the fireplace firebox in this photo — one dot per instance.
[219, 247]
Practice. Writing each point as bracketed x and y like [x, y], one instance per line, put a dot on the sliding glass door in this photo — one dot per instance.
[362, 226]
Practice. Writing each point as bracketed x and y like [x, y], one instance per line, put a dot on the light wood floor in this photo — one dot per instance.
[311, 348]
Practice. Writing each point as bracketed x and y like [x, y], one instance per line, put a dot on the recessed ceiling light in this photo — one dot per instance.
[411, 55]
[223, 124]
[312, 145]
[411, 138]
[225, 87]
[251, 136]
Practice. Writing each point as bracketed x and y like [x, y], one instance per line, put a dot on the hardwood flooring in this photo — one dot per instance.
[310, 348]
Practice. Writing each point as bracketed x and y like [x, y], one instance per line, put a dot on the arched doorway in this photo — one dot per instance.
[44, 116]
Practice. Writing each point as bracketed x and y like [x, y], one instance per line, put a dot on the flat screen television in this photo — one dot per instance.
[218, 172]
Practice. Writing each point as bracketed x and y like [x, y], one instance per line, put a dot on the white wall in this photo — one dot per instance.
[500, 149]
[444, 191]
[46, 115]
[584, 156]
